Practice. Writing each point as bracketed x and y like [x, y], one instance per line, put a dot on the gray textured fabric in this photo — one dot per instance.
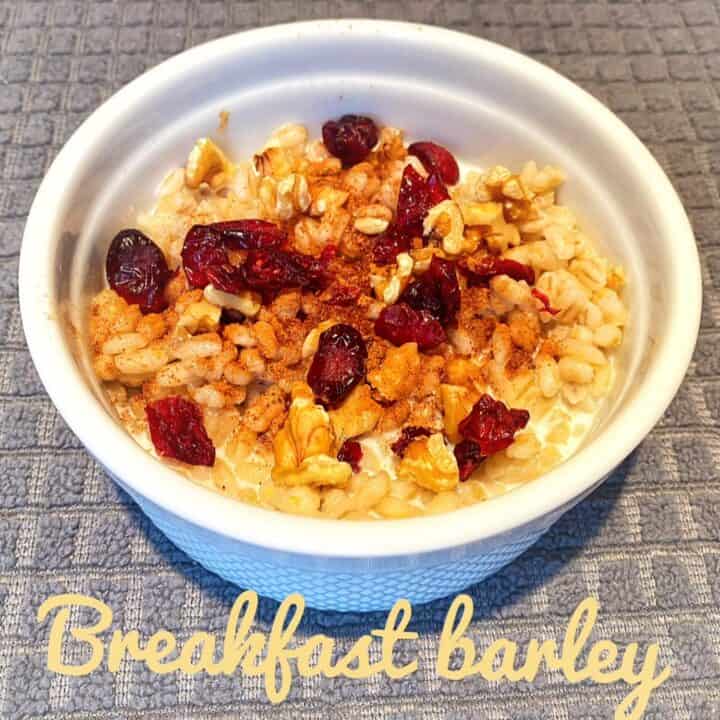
[647, 543]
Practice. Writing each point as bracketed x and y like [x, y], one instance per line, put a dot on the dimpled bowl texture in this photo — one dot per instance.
[488, 105]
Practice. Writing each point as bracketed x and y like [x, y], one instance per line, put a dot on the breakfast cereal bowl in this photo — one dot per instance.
[490, 106]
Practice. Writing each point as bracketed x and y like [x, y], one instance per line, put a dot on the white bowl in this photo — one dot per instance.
[485, 102]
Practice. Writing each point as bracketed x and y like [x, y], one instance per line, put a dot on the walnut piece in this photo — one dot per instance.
[303, 447]
[397, 376]
[206, 160]
[447, 220]
[359, 414]
[429, 463]
[457, 403]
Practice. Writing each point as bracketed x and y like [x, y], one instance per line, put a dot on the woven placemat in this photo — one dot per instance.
[646, 544]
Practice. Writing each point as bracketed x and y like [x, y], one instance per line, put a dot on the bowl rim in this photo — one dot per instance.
[107, 441]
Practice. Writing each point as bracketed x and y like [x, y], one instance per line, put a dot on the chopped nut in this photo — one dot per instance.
[205, 160]
[388, 289]
[306, 432]
[274, 162]
[391, 144]
[446, 218]
[303, 448]
[429, 463]
[358, 414]
[398, 374]
[327, 198]
[247, 302]
[460, 371]
[200, 316]
[457, 403]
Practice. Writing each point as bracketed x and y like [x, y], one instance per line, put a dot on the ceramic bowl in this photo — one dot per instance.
[487, 104]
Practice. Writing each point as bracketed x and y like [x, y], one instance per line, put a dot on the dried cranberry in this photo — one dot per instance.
[422, 295]
[437, 291]
[339, 363]
[408, 434]
[468, 456]
[273, 270]
[417, 195]
[480, 272]
[436, 159]
[401, 324]
[443, 274]
[351, 138]
[178, 432]
[390, 244]
[545, 300]
[351, 453]
[492, 425]
[137, 271]
[206, 261]
[436, 190]
[249, 234]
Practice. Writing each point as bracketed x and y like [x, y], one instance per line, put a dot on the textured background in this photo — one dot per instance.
[647, 544]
